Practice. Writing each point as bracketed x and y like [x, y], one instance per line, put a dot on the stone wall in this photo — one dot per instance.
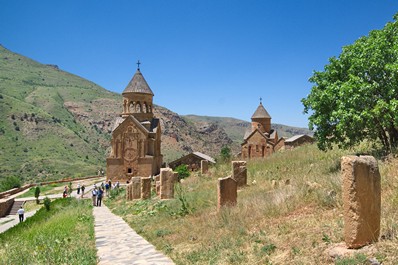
[204, 166]
[5, 206]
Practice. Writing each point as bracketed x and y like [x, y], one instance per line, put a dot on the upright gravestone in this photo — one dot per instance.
[167, 180]
[129, 190]
[239, 172]
[204, 166]
[227, 190]
[136, 188]
[157, 185]
[362, 200]
[146, 188]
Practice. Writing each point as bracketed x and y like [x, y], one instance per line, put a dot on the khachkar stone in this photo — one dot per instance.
[362, 200]
[239, 172]
[136, 188]
[146, 188]
[157, 185]
[227, 190]
[167, 180]
[129, 191]
[204, 166]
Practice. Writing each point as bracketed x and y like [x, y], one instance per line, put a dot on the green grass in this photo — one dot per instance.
[273, 223]
[63, 235]
[44, 190]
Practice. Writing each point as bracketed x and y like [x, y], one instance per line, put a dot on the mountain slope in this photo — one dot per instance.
[235, 128]
[55, 124]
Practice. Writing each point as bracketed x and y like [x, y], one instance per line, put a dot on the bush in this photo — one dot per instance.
[10, 182]
[47, 203]
[182, 171]
[37, 194]
[225, 153]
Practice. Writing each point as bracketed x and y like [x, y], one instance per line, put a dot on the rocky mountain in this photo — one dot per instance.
[55, 124]
[235, 128]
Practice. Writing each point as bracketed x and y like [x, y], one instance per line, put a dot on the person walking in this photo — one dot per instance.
[100, 193]
[83, 188]
[78, 188]
[65, 193]
[94, 193]
[21, 213]
[107, 189]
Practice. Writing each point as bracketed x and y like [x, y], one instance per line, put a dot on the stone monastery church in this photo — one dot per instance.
[136, 135]
[261, 140]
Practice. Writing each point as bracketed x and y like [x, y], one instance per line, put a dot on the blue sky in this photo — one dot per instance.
[213, 58]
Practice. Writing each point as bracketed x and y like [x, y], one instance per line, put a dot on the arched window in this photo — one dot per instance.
[131, 107]
[138, 107]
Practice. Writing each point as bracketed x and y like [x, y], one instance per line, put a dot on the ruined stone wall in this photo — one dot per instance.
[5, 206]
[279, 145]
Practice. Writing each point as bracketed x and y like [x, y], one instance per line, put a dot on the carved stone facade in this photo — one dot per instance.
[136, 135]
[261, 141]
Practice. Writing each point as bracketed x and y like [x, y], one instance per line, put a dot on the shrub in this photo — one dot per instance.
[37, 194]
[10, 182]
[225, 153]
[182, 171]
[47, 203]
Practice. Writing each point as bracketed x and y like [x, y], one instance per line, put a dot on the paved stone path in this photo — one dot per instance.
[12, 220]
[118, 243]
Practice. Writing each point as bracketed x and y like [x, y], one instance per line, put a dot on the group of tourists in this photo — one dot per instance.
[97, 194]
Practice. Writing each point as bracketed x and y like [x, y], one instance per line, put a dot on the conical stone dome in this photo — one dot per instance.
[138, 85]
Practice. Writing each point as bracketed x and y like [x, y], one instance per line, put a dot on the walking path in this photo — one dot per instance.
[117, 243]
[12, 220]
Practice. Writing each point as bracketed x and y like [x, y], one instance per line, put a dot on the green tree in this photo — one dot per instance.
[225, 153]
[182, 171]
[70, 189]
[47, 203]
[37, 194]
[10, 182]
[356, 96]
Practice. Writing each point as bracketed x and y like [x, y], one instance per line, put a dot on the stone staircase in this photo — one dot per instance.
[15, 207]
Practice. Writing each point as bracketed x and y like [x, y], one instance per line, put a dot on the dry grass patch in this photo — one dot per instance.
[275, 222]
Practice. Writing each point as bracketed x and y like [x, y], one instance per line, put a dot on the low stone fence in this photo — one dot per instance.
[66, 180]
[7, 193]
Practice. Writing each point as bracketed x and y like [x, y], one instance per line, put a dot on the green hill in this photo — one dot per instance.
[54, 124]
[39, 135]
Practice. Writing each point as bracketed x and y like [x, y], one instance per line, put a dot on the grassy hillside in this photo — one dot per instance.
[290, 213]
[40, 136]
[62, 235]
